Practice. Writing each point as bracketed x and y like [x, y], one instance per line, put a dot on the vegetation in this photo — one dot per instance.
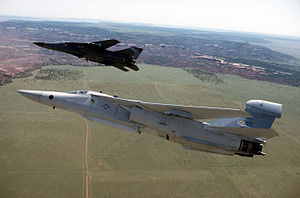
[204, 75]
[4, 79]
[59, 74]
[42, 150]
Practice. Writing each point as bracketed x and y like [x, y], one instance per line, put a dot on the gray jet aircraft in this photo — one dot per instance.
[232, 132]
[97, 52]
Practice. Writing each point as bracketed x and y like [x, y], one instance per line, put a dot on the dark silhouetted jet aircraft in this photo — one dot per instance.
[97, 52]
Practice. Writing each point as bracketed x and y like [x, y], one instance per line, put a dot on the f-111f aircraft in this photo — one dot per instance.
[97, 52]
[231, 131]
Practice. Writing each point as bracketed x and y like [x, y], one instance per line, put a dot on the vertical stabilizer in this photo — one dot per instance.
[263, 112]
[137, 52]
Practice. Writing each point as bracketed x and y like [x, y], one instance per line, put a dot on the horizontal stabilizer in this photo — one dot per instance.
[197, 112]
[107, 43]
[250, 132]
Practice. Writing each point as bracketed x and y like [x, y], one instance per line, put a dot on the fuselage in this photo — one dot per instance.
[191, 134]
[91, 52]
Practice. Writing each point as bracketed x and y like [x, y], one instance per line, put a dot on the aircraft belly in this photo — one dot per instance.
[184, 131]
[164, 123]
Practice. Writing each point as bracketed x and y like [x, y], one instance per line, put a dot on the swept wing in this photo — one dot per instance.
[196, 112]
[107, 43]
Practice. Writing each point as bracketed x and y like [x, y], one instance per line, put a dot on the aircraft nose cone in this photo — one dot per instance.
[41, 44]
[32, 95]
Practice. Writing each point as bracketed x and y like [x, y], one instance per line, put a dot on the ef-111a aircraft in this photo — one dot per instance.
[97, 52]
[231, 131]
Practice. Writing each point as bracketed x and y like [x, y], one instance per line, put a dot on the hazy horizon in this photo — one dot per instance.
[277, 17]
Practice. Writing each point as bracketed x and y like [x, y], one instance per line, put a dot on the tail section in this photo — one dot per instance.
[253, 131]
[263, 112]
[137, 52]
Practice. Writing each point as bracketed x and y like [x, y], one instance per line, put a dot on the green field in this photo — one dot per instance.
[54, 153]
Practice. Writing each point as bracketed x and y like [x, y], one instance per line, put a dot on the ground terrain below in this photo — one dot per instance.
[54, 153]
